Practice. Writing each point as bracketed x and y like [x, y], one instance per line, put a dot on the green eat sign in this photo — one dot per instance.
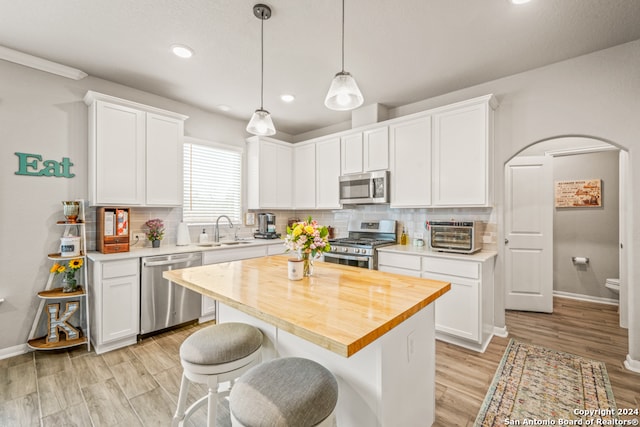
[32, 164]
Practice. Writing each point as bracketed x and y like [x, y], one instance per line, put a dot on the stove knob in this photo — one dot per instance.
[345, 249]
[357, 251]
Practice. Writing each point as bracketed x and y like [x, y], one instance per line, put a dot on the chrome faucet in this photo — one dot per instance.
[216, 229]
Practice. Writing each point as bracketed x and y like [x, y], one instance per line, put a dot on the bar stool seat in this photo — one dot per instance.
[214, 355]
[284, 392]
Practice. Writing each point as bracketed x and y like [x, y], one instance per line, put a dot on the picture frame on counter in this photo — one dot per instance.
[249, 218]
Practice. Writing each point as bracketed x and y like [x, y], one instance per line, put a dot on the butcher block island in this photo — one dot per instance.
[374, 330]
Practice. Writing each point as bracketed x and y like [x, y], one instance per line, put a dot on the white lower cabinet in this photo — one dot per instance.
[458, 311]
[115, 311]
[464, 315]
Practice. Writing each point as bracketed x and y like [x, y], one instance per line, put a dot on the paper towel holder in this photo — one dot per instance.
[579, 260]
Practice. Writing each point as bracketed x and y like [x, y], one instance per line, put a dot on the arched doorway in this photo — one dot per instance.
[575, 146]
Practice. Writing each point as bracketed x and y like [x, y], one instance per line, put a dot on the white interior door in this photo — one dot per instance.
[529, 234]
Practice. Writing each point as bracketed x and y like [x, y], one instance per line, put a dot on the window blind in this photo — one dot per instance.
[212, 183]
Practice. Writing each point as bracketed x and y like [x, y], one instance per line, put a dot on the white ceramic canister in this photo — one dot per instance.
[70, 246]
[184, 238]
[295, 269]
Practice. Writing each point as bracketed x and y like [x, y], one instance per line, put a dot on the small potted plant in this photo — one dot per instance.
[156, 231]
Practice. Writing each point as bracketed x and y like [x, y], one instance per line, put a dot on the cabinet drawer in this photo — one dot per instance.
[115, 248]
[113, 269]
[226, 255]
[409, 262]
[395, 270]
[275, 249]
[451, 267]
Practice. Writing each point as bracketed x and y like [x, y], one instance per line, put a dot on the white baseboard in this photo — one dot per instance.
[470, 345]
[500, 331]
[587, 298]
[16, 350]
[632, 365]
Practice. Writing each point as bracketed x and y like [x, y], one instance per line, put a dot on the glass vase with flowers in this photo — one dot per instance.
[309, 239]
[69, 281]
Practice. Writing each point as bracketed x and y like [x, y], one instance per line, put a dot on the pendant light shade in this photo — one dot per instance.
[344, 93]
[261, 123]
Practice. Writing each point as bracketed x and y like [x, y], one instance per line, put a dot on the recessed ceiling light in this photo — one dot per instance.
[287, 97]
[182, 51]
[519, 1]
[223, 107]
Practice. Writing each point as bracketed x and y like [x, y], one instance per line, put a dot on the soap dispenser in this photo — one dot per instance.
[204, 238]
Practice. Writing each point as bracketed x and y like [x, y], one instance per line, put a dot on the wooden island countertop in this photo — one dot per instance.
[340, 308]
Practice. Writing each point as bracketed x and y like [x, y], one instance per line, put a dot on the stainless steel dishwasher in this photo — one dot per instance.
[164, 304]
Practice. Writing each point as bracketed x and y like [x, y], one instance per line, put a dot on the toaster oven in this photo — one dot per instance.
[463, 237]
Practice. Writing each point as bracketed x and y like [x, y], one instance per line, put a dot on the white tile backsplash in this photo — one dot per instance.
[413, 219]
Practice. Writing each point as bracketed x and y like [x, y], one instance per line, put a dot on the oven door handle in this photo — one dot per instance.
[347, 257]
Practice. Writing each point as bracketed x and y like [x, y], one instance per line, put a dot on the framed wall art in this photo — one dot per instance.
[583, 193]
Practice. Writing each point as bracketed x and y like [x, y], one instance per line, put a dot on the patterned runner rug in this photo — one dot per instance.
[537, 386]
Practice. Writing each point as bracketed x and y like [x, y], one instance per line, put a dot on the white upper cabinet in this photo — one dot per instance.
[375, 149]
[365, 151]
[305, 172]
[462, 154]
[269, 173]
[351, 153]
[164, 160]
[327, 174]
[410, 161]
[134, 153]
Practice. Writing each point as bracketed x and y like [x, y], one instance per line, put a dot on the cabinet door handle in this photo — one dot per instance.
[506, 241]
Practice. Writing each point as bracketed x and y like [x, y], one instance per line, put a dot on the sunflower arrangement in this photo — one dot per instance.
[69, 270]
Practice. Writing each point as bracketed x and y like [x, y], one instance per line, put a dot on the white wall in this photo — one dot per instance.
[595, 95]
[587, 232]
[44, 114]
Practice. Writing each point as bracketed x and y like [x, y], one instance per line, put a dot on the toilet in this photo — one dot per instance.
[614, 285]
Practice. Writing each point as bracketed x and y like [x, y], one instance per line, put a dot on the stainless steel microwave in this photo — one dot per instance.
[463, 237]
[364, 189]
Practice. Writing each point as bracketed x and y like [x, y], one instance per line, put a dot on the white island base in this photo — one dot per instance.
[388, 383]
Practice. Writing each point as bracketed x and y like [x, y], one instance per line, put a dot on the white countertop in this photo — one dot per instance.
[426, 251]
[166, 249]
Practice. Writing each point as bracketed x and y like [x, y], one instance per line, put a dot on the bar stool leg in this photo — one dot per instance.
[182, 402]
[212, 405]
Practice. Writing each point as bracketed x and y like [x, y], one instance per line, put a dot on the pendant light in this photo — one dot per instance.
[261, 123]
[344, 93]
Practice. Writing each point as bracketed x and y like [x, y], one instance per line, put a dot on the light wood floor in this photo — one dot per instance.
[586, 329]
[138, 385]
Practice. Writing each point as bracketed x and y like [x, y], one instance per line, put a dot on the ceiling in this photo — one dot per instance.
[399, 51]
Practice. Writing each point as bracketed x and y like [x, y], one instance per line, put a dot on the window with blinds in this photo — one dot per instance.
[212, 182]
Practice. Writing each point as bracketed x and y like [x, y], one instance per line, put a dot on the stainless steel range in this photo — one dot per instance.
[359, 249]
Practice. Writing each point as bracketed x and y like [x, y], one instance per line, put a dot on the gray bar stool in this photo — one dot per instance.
[214, 355]
[286, 392]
